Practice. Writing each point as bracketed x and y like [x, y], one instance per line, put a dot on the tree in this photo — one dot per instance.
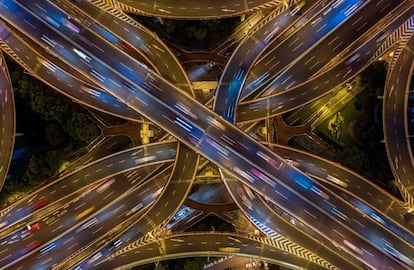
[200, 34]
[37, 170]
[55, 108]
[192, 34]
[55, 136]
[79, 127]
[194, 264]
[160, 266]
[149, 266]
[374, 76]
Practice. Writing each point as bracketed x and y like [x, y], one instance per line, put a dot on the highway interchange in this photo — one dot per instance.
[7, 127]
[114, 78]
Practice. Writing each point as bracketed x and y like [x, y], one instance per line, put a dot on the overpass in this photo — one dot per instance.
[229, 128]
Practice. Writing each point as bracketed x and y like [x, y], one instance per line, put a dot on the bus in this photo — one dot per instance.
[85, 213]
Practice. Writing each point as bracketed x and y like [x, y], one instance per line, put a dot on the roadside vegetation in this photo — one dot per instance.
[210, 223]
[360, 144]
[49, 127]
[191, 34]
[176, 264]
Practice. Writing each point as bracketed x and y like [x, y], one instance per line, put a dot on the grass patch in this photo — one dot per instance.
[359, 143]
[351, 112]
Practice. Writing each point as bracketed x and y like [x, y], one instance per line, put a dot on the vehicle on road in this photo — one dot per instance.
[31, 246]
[353, 247]
[105, 186]
[4, 223]
[85, 213]
[127, 46]
[296, 8]
[336, 181]
[229, 249]
[94, 258]
[33, 227]
[352, 58]
[40, 203]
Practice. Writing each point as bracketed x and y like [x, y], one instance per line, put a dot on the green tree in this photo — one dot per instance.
[200, 34]
[194, 264]
[374, 76]
[149, 266]
[50, 105]
[160, 266]
[79, 127]
[37, 170]
[354, 158]
[53, 107]
[192, 34]
[43, 166]
[55, 136]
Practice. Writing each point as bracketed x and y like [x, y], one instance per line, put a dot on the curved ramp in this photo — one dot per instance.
[8, 122]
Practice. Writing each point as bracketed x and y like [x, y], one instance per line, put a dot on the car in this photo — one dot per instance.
[353, 58]
[69, 23]
[292, 162]
[235, 144]
[337, 3]
[321, 193]
[105, 186]
[47, 248]
[229, 249]
[94, 258]
[32, 246]
[87, 224]
[337, 181]
[383, 36]
[3, 224]
[240, 74]
[85, 213]
[34, 227]
[351, 9]
[262, 176]
[353, 247]
[40, 203]
[269, 160]
[82, 55]
[239, 172]
[133, 210]
[117, 243]
[244, 198]
[127, 46]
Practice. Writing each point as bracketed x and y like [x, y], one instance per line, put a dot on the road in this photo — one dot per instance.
[195, 9]
[316, 87]
[395, 119]
[8, 122]
[130, 36]
[83, 177]
[354, 188]
[199, 244]
[186, 119]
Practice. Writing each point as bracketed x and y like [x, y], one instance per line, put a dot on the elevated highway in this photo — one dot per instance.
[310, 90]
[395, 119]
[198, 9]
[8, 122]
[88, 175]
[196, 142]
[207, 244]
[209, 137]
